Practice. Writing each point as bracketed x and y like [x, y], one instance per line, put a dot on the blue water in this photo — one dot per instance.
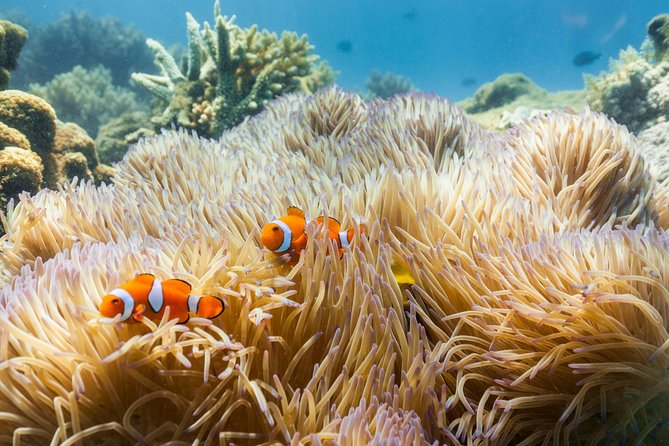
[436, 44]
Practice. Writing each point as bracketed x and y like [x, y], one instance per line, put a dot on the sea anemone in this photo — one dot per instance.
[533, 318]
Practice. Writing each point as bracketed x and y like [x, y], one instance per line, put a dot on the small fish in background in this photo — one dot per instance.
[410, 16]
[468, 82]
[147, 296]
[345, 46]
[287, 235]
[585, 58]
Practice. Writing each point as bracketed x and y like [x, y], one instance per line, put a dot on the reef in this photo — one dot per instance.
[658, 32]
[12, 38]
[87, 97]
[512, 98]
[89, 42]
[64, 150]
[635, 91]
[230, 73]
[538, 314]
[388, 84]
[114, 137]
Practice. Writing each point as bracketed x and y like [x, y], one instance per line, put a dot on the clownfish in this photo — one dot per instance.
[288, 235]
[147, 296]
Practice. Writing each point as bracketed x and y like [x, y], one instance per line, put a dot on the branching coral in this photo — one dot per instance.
[231, 73]
[533, 318]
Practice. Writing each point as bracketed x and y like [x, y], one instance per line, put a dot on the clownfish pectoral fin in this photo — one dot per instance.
[146, 278]
[294, 210]
[138, 315]
[178, 285]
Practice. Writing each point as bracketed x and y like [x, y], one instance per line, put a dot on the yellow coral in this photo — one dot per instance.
[20, 171]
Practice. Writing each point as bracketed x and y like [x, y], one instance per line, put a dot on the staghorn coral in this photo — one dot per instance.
[538, 314]
[230, 73]
[12, 38]
[87, 97]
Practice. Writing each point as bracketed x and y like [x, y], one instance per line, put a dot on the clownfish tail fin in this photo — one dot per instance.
[209, 307]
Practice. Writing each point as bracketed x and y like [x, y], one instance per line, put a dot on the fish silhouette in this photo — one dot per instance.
[345, 46]
[585, 58]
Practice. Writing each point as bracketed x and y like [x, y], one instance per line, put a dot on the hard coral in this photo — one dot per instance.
[658, 31]
[12, 38]
[513, 97]
[87, 97]
[20, 171]
[231, 73]
[78, 38]
[388, 84]
[29, 122]
[537, 314]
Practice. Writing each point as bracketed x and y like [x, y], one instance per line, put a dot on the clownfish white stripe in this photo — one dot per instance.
[128, 302]
[287, 236]
[343, 238]
[156, 298]
[193, 301]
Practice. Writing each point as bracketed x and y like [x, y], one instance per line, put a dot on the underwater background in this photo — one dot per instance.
[438, 45]
[334, 223]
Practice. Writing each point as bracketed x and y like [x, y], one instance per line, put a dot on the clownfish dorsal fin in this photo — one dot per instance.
[146, 278]
[333, 224]
[294, 210]
[179, 285]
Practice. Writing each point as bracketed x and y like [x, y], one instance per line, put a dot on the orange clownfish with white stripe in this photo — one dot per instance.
[288, 235]
[147, 296]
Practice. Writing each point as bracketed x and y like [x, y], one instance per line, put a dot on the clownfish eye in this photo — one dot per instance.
[115, 301]
[275, 228]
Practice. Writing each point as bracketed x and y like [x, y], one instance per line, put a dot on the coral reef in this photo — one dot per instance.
[388, 84]
[20, 171]
[36, 120]
[114, 137]
[231, 73]
[658, 32]
[64, 149]
[87, 97]
[653, 144]
[12, 38]
[538, 314]
[513, 97]
[89, 42]
[635, 90]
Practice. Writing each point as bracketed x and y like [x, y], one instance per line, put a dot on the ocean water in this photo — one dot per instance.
[513, 280]
[437, 44]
